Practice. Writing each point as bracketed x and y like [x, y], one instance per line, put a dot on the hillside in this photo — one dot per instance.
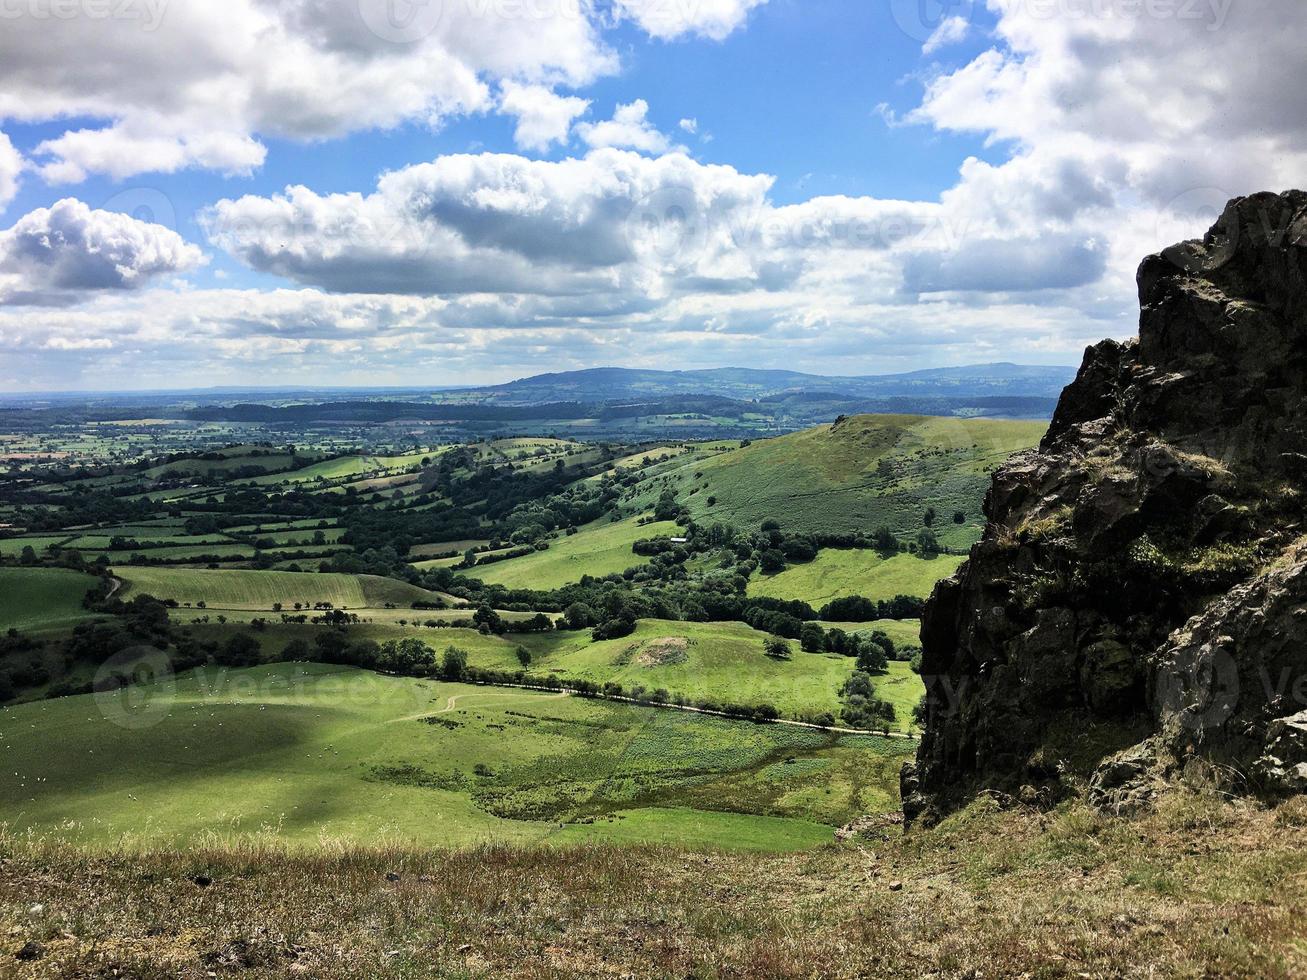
[316, 751]
[861, 473]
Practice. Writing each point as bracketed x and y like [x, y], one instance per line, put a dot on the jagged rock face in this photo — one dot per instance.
[1140, 571]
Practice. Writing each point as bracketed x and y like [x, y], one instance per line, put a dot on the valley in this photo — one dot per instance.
[523, 640]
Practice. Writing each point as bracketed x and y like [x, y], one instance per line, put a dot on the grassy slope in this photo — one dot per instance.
[598, 550]
[310, 750]
[826, 479]
[259, 590]
[42, 598]
[1201, 889]
[837, 573]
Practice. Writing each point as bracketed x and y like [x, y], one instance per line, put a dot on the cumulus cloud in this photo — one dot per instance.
[201, 84]
[629, 128]
[11, 165]
[668, 19]
[543, 117]
[60, 255]
[614, 221]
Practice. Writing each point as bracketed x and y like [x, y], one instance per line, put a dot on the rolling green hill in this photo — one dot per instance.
[598, 550]
[302, 751]
[259, 590]
[856, 475]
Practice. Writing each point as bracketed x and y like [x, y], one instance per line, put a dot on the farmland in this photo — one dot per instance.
[260, 590]
[282, 569]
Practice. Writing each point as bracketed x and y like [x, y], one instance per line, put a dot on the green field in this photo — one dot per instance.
[721, 661]
[259, 590]
[597, 550]
[836, 573]
[307, 751]
[831, 479]
[42, 598]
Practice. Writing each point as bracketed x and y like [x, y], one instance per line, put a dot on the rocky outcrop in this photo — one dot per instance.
[1138, 604]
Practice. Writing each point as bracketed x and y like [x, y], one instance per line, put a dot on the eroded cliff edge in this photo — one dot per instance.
[1137, 607]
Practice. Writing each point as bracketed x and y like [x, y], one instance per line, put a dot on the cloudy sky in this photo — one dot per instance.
[448, 191]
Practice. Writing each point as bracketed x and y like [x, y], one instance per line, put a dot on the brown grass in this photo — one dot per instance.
[1202, 888]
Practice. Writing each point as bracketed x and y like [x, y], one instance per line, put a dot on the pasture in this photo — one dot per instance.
[306, 751]
[836, 573]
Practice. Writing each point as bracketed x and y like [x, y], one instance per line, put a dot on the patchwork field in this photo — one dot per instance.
[597, 550]
[836, 573]
[306, 750]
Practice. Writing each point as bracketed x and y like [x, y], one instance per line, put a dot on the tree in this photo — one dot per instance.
[241, 650]
[777, 648]
[771, 561]
[884, 540]
[873, 658]
[453, 666]
[28, 556]
[488, 621]
[578, 616]
[959, 517]
[524, 656]
[928, 518]
[408, 656]
[927, 543]
[812, 638]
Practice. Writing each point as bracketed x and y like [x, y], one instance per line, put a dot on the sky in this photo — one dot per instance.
[435, 192]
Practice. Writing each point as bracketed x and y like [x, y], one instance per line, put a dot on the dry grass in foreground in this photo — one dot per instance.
[1202, 888]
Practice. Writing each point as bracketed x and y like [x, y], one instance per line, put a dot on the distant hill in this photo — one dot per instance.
[609, 384]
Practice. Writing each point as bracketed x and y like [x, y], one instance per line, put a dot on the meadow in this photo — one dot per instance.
[836, 573]
[304, 751]
[597, 550]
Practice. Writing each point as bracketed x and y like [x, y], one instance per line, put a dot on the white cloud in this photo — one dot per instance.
[543, 117]
[629, 128]
[668, 19]
[62, 254]
[11, 165]
[690, 126]
[951, 30]
[202, 86]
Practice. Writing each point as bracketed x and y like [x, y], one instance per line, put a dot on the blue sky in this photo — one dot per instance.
[831, 185]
